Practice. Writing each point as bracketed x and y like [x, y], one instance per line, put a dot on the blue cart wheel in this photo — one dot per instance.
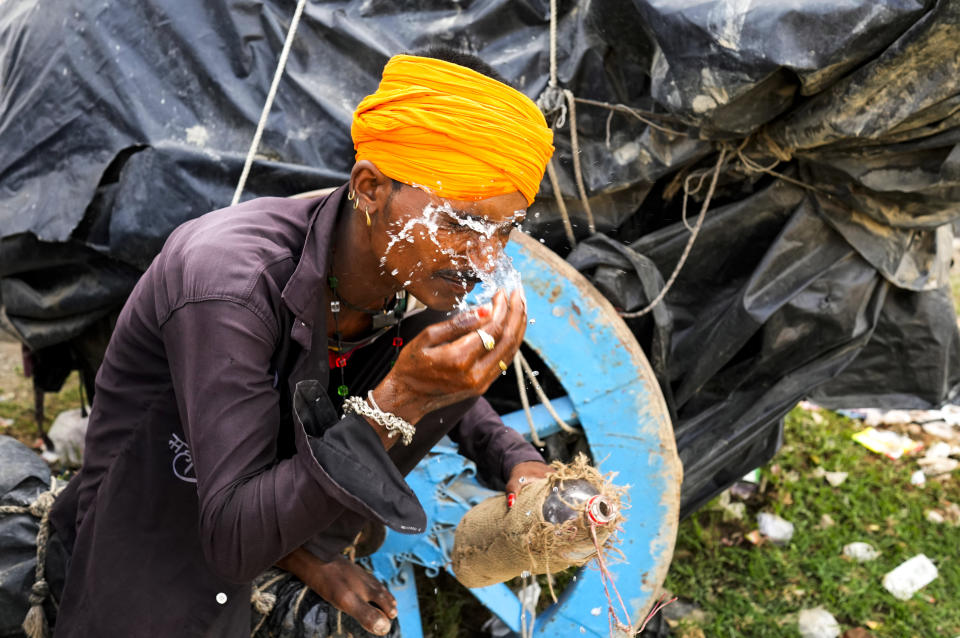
[612, 394]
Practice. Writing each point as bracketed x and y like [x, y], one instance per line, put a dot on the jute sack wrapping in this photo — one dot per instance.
[493, 544]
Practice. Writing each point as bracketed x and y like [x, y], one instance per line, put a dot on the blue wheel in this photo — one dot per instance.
[613, 396]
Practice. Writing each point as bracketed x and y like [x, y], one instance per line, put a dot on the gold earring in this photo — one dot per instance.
[366, 211]
[351, 195]
[356, 202]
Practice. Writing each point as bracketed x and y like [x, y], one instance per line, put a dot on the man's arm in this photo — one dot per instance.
[497, 449]
[255, 509]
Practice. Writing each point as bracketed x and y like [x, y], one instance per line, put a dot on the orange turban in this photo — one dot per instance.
[453, 131]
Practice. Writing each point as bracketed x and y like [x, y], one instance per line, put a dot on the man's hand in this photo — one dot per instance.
[521, 476]
[448, 362]
[345, 586]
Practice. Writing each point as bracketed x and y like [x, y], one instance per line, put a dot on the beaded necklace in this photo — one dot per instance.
[389, 316]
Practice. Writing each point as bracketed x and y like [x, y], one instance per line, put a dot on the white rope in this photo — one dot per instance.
[281, 63]
[543, 395]
[553, 43]
[525, 402]
[693, 236]
[575, 151]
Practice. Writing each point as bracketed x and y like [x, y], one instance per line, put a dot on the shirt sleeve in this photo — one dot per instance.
[255, 509]
[483, 438]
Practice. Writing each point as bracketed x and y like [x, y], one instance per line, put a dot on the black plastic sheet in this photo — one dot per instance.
[23, 476]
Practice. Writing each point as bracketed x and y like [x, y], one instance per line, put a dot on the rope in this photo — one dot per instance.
[35, 622]
[564, 215]
[575, 150]
[525, 402]
[553, 43]
[543, 395]
[271, 94]
[643, 116]
[693, 235]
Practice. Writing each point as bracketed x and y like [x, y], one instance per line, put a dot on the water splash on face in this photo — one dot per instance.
[495, 269]
[503, 276]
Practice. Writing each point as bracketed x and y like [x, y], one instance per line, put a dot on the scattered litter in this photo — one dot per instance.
[888, 443]
[835, 479]
[937, 465]
[791, 476]
[918, 478]
[743, 491]
[731, 511]
[910, 577]
[5, 423]
[860, 552]
[68, 432]
[934, 516]
[776, 529]
[754, 537]
[941, 430]
[952, 512]
[753, 476]
[817, 623]
[872, 417]
[857, 632]
[939, 450]
[826, 521]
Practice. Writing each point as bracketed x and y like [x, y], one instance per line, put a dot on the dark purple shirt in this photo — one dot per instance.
[213, 449]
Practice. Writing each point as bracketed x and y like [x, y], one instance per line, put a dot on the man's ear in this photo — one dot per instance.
[371, 186]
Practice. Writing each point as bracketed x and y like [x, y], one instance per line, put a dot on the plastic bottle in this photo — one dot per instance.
[574, 497]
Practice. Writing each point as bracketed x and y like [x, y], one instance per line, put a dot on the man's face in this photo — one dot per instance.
[437, 248]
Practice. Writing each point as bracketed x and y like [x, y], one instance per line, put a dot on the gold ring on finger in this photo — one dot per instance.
[486, 339]
[502, 365]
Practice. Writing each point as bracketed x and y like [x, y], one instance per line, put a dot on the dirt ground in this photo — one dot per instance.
[13, 385]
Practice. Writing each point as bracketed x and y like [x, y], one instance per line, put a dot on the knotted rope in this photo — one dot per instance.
[35, 623]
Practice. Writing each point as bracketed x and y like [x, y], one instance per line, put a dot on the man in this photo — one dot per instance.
[216, 446]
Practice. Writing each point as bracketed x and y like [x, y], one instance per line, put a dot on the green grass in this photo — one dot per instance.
[749, 590]
[19, 405]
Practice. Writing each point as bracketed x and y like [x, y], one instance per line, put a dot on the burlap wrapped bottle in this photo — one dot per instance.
[494, 543]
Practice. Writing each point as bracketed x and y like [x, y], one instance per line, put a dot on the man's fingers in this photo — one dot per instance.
[456, 326]
[511, 336]
[371, 618]
[469, 344]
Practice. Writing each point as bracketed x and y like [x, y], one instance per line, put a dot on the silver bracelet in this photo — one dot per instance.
[387, 420]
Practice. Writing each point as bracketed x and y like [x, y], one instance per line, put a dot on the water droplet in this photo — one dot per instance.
[394, 271]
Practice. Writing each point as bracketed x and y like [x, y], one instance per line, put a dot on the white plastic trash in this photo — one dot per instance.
[910, 577]
[67, 433]
[817, 623]
[778, 530]
[860, 552]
